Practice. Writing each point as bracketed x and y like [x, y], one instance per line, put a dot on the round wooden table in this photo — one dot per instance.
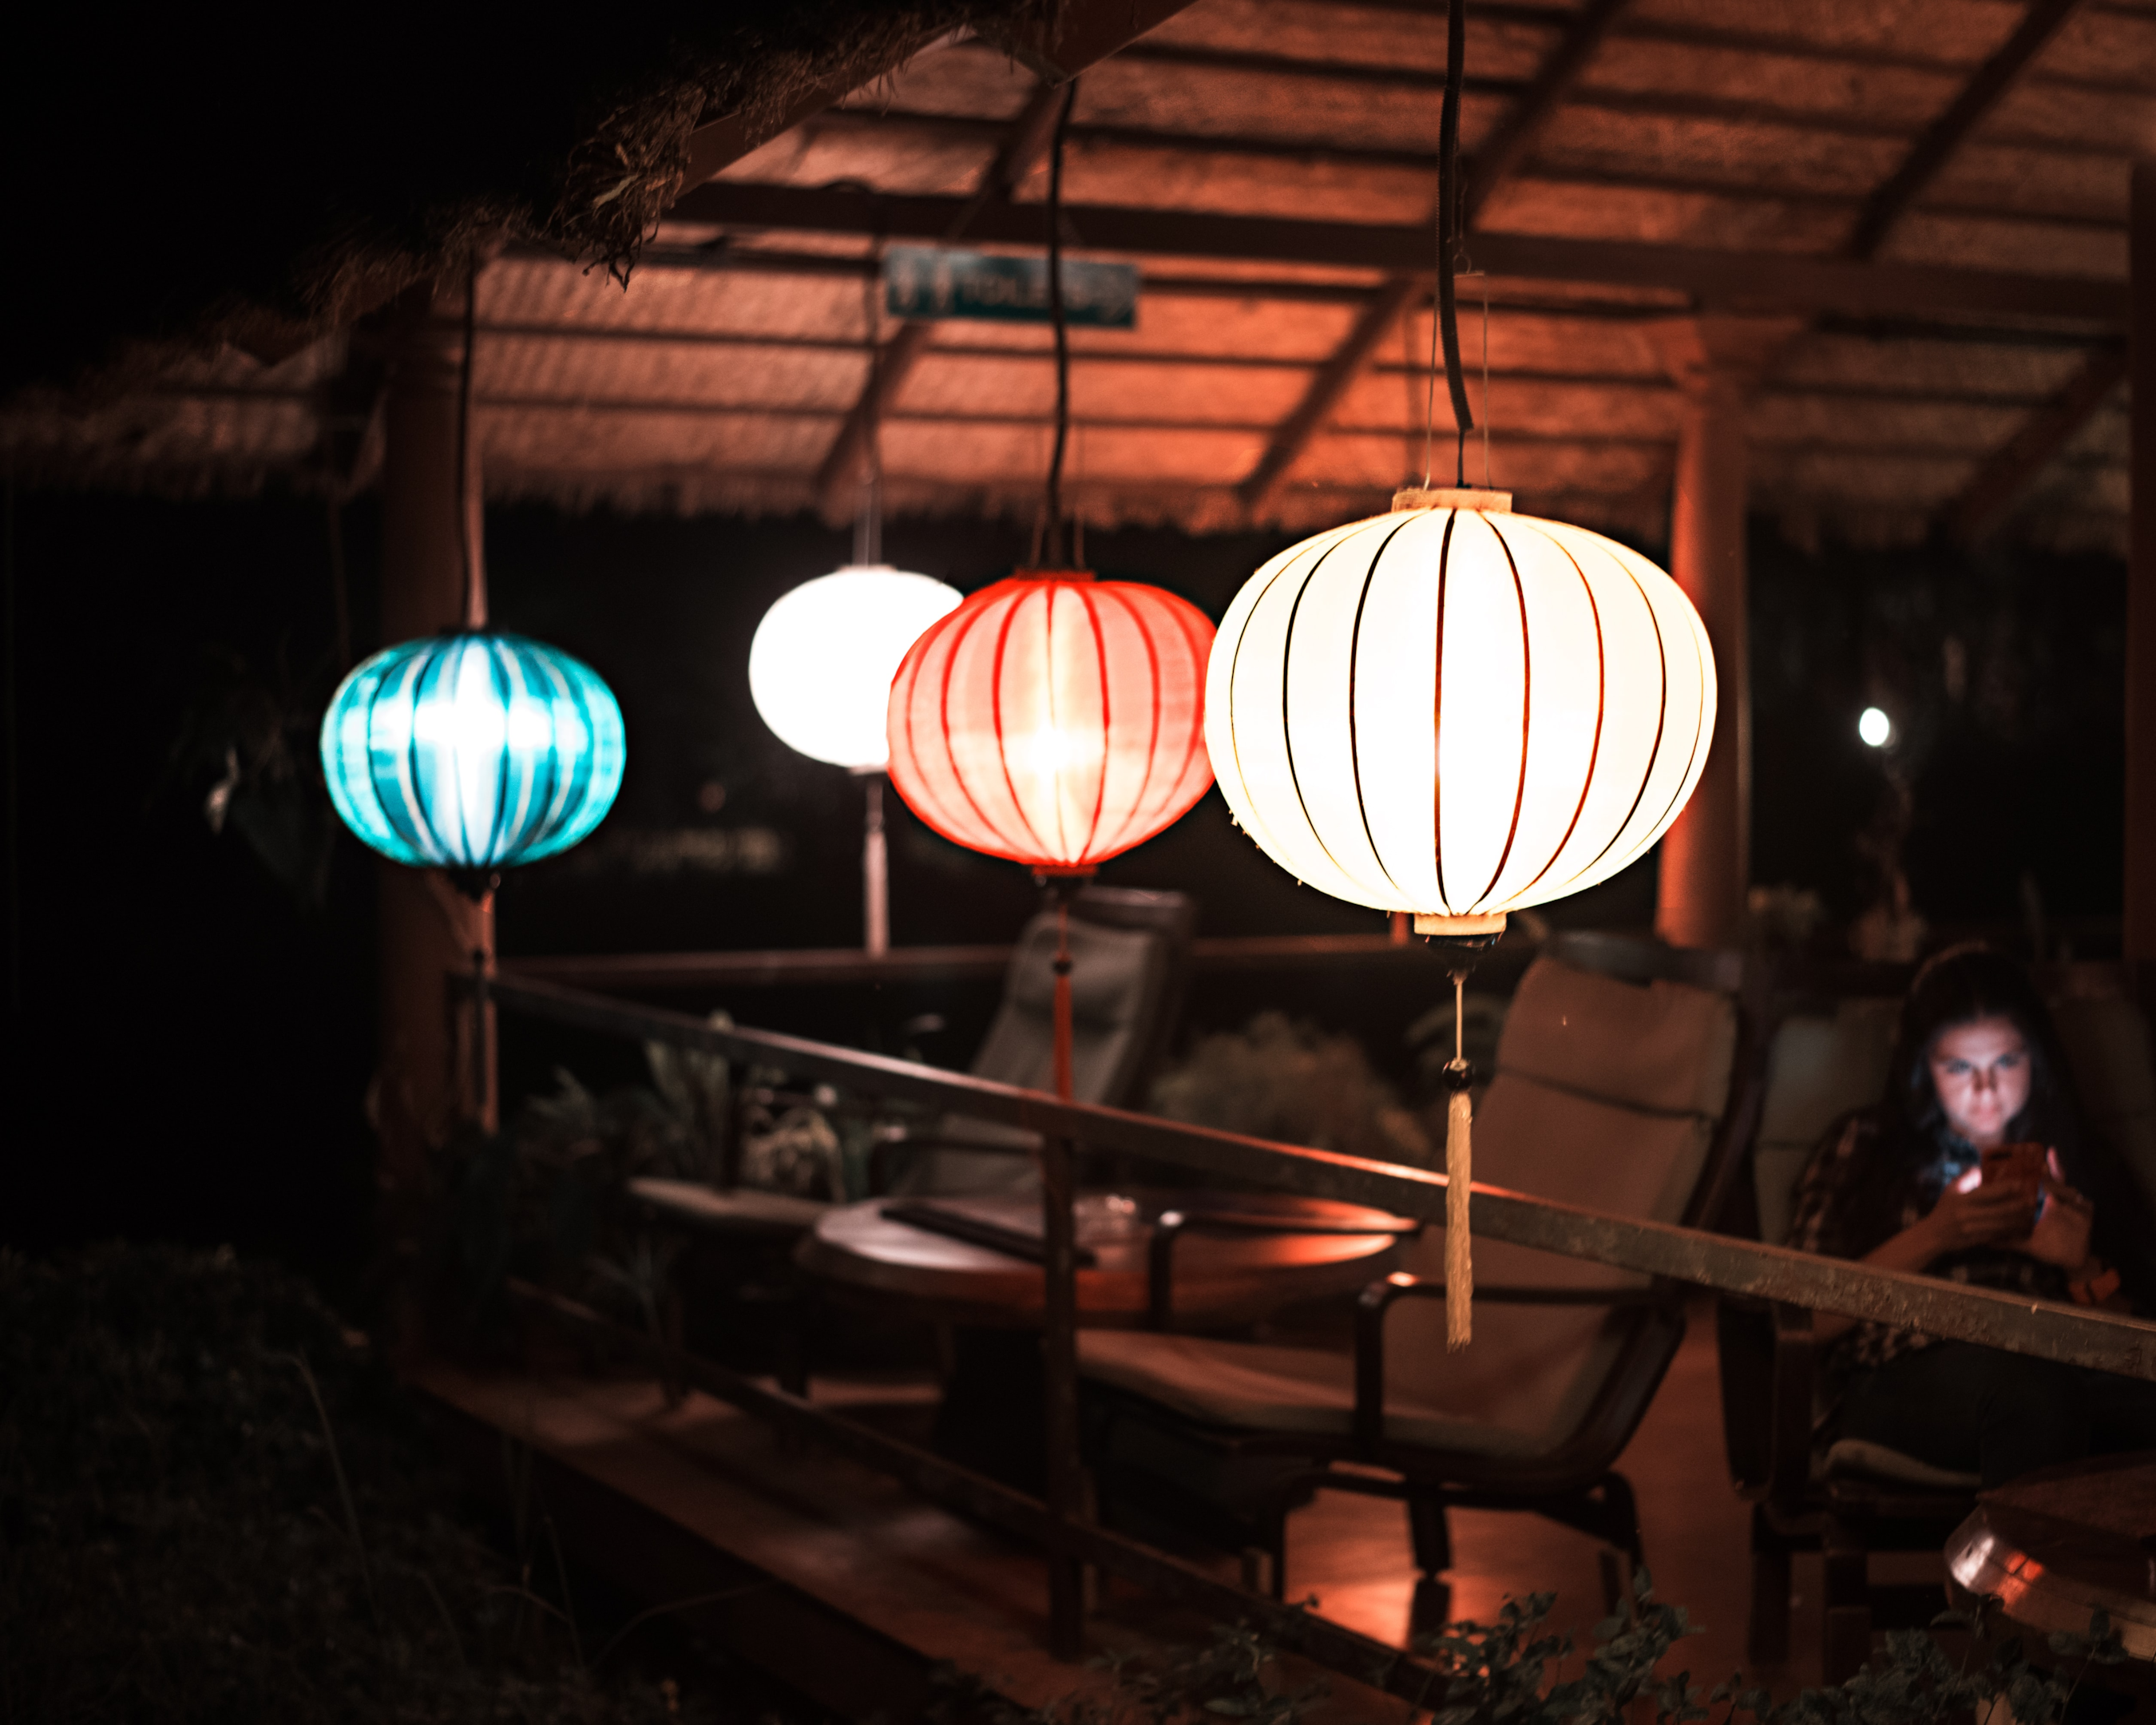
[1218, 1277]
[2061, 1544]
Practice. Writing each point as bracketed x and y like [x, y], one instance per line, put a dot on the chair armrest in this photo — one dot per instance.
[1172, 1225]
[1790, 1413]
[1376, 1301]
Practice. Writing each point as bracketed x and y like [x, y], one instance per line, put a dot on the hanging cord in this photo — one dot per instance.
[1448, 231]
[867, 516]
[1485, 378]
[475, 590]
[1053, 548]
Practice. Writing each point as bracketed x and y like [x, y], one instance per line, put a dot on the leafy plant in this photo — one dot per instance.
[1277, 1078]
[1516, 1671]
[216, 1503]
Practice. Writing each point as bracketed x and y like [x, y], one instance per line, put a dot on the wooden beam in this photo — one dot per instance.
[1190, 148]
[1758, 281]
[1516, 134]
[1323, 395]
[1932, 151]
[1507, 146]
[1076, 35]
[1999, 482]
[1026, 140]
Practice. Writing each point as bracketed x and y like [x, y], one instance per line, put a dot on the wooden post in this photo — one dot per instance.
[1706, 856]
[426, 929]
[2140, 937]
[1064, 1466]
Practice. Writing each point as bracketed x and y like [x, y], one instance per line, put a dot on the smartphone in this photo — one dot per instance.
[2019, 1165]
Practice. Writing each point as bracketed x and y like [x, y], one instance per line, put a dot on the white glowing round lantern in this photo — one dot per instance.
[1457, 711]
[821, 665]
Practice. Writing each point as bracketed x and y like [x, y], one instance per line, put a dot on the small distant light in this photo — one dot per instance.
[1875, 727]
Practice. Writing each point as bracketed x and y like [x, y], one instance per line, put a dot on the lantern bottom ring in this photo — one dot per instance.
[1460, 928]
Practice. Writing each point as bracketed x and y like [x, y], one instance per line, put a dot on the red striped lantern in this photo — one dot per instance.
[1054, 720]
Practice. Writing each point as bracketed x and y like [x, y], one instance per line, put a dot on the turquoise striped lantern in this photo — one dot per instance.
[472, 751]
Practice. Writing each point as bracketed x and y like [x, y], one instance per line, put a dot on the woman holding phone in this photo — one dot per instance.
[1974, 1167]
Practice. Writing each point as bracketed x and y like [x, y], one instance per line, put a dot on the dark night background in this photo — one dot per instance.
[193, 1030]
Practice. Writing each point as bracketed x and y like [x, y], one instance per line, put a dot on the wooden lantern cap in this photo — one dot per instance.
[1459, 927]
[1452, 497]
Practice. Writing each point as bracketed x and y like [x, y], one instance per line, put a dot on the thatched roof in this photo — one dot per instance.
[1932, 193]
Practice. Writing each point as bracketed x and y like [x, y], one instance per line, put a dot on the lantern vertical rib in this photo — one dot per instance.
[1601, 706]
[1354, 741]
[1193, 747]
[1051, 667]
[1527, 721]
[1437, 722]
[1003, 752]
[499, 667]
[1287, 719]
[1655, 755]
[1107, 721]
[1137, 809]
[950, 747]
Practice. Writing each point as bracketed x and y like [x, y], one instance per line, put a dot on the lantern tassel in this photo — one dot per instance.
[1459, 1178]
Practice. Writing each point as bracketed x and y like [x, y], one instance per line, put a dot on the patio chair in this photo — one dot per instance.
[1844, 1498]
[1130, 956]
[1130, 952]
[1625, 1073]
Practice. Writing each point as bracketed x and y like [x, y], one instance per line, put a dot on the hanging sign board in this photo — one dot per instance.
[924, 282]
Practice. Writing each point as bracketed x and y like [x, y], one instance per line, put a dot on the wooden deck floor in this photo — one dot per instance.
[774, 1524]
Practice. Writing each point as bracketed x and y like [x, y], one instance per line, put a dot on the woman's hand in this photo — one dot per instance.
[1982, 1216]
[2060, 1235]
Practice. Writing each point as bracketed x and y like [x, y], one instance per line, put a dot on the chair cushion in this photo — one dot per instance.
[744, 1209]
[1115, 975]
[1666, 1047]
[1860, 1457]
[1567, 1116]
[1113, 971]
[1819, 1068]
[1250, 1387]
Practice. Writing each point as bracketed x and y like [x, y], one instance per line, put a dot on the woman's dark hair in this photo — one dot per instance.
[1961, 984]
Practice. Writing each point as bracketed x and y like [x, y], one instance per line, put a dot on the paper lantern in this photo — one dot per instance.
[472, 751]
[821, 665]
[1457, 710]
[1054, 720]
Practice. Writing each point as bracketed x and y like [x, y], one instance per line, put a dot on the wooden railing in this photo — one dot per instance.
[2075, 1335]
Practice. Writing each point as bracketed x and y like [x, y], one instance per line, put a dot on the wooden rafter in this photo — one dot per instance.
[1074, 37]
[1935, 148]
[1506, 147]
[1999, 482]
[1025, 140]
[1779, 281]
[1087, 31]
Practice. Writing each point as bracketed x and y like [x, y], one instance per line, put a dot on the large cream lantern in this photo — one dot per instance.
[1457, 711]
